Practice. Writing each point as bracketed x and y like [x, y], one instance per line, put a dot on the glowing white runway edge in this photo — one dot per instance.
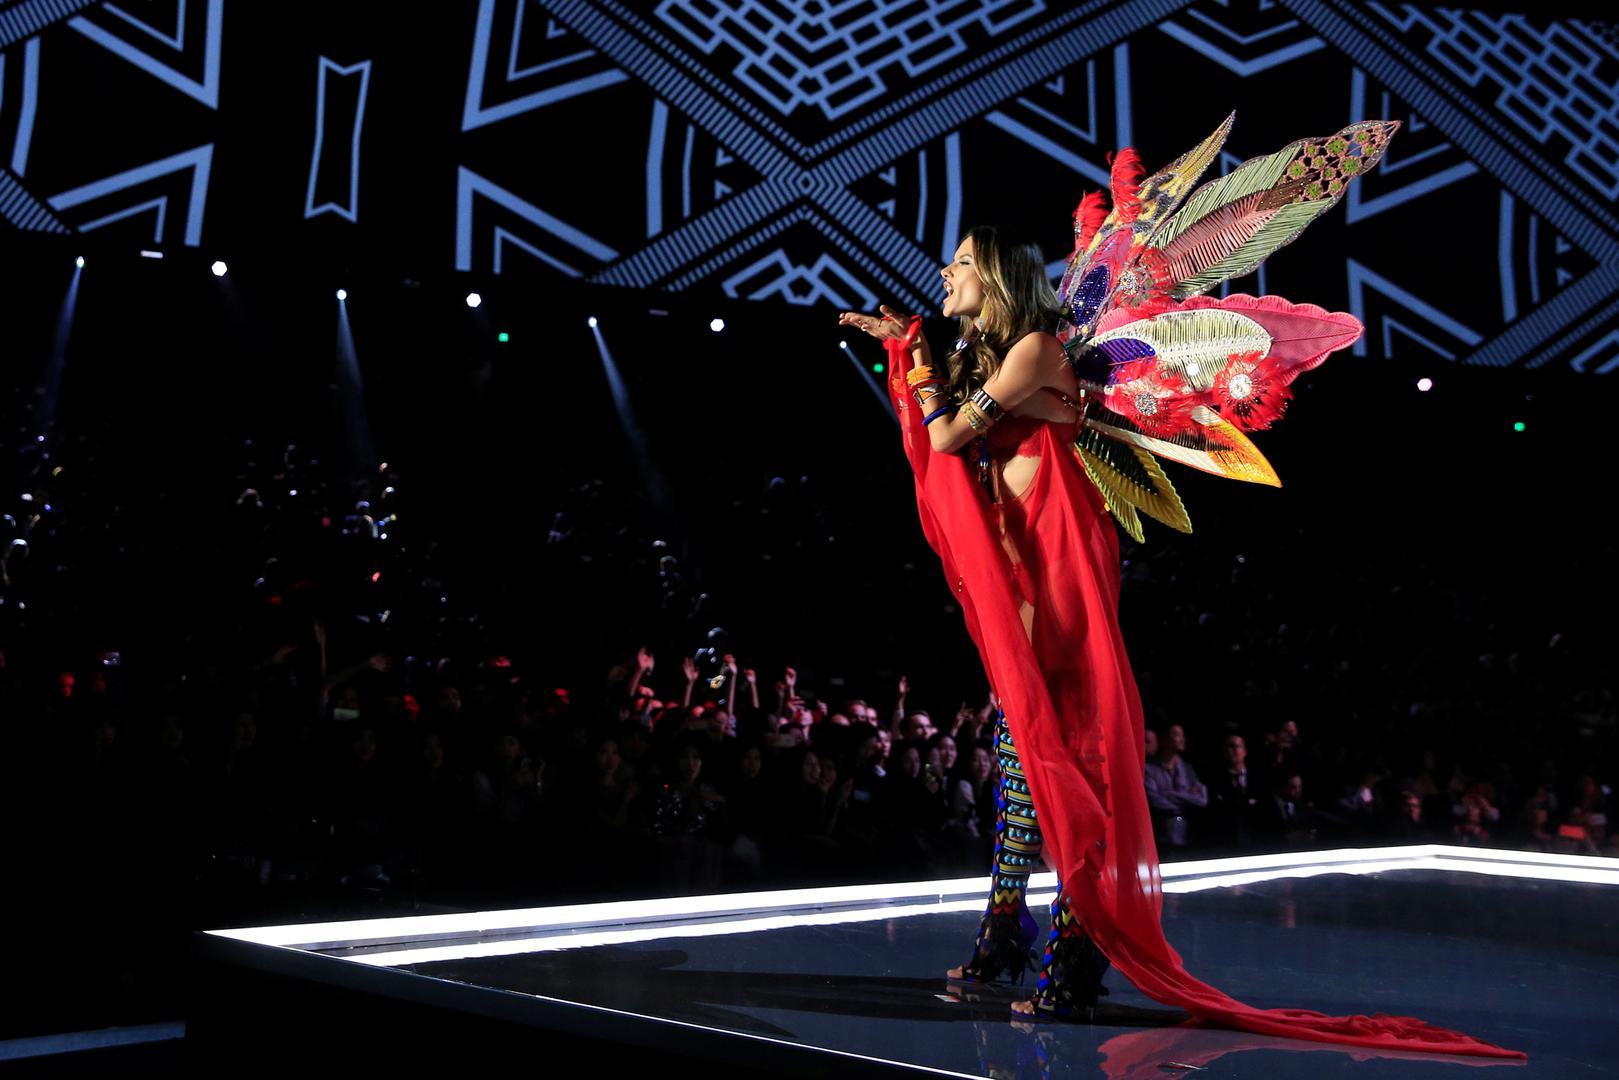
[530, 930]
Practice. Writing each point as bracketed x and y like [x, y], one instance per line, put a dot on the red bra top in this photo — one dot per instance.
[1014, 435]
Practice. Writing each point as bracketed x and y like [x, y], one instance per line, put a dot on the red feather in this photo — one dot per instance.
[1127, 171]
[1088, 217]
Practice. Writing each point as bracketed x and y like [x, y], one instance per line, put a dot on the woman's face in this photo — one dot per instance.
[910, 763]
[607, 759]
[752, 763]
[983, 764]
[964, 292]
[811, 771]
[947, 753]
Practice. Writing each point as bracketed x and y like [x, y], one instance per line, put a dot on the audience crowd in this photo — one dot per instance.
[326, 714]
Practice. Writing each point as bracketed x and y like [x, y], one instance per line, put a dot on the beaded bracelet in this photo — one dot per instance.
[974, 417]
[940, 411]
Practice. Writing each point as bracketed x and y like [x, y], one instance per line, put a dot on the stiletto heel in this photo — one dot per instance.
[1005, 946]
[1070, 975]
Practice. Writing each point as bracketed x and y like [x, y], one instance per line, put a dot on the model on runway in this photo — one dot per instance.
[1048, 415]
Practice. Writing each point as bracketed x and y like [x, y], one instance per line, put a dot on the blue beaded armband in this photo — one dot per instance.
[940, 411]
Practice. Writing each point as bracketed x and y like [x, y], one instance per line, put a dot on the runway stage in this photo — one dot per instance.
[1513, 947]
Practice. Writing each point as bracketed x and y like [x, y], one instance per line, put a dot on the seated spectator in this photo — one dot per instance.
[1234, 793]
[1285, 819]
[1174, 792]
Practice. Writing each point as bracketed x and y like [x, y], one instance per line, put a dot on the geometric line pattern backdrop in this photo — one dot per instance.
[832, 153]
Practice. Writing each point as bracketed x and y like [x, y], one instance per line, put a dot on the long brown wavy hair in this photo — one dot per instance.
[1018, 299]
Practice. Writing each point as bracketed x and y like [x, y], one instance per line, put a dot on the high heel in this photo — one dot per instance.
[1070, 975]
[1005, 946]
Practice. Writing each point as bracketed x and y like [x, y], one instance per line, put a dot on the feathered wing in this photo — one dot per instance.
[1228, 226]
[1103, 243]
[1168, 371]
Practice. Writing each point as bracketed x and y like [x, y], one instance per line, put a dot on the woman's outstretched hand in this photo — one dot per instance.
[890, 325]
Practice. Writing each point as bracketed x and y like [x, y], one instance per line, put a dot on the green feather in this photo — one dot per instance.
[1256, 174]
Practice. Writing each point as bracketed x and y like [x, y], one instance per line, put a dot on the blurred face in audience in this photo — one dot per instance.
[607, 759]
[721, 724]
[751, 763]
[947, 753]
[509, 748]
[171, 734]
[1236, 751]
[1177, 740]
[885, 744]
[1291, 789]
[247, 729]
[1151, 743]
[828, 770]
[688, 765]
[449, 701]
[809, 772]
[364, 746]
[803, 720]
[983, 765]
[910, 763]
[433, 752]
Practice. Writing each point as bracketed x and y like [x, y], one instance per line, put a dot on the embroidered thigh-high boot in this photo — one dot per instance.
[1007, 932]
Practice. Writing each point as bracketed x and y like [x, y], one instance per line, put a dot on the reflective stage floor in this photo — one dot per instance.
[1514, 948]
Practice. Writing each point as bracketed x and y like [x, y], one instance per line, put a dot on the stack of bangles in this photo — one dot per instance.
[925, 387]
[981, 410]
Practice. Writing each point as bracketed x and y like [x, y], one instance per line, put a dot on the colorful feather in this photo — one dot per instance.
[1130, 479]
[1193, 344]
[1302, 336]
[1229, 226]
[1161, 193]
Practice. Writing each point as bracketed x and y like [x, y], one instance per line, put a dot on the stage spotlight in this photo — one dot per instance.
[145, 254]
[219, 269]
[591, 322]
[504, 337]
[1424, 385]
[473, 299]
[79, 262]
[717, 325]
[843, 344]
[342, 294]
[1519, 426]
[877, 368]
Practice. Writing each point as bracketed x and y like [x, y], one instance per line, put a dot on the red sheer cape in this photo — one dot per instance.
[1075, 715]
